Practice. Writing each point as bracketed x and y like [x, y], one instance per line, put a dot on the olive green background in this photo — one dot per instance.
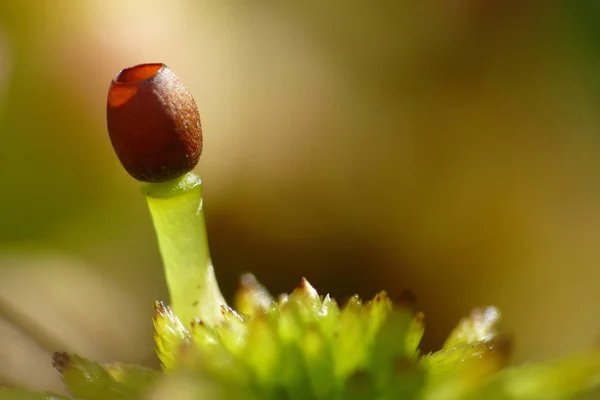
[449, 148]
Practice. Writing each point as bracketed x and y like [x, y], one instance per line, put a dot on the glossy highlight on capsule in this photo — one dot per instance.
[153, 123]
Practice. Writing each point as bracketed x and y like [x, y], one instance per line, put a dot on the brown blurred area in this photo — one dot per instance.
[446, 147]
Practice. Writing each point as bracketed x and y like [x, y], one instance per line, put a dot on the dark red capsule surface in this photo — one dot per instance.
[153, 123]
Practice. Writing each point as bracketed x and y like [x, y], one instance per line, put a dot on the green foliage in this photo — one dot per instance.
[304, 346]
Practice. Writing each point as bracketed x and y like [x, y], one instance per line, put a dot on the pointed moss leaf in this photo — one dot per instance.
[394, 371]
[447, 361]
[305, 303]
[231, 331]
[210, 356]
[252, 297]
[289, 322]
[475, 340]
[481, 326]
[262, 354]
[88, 380]
[204, 337]
[209, 353]
[350, 348]
[414, 334]
[291, 375]
[329, 317]
[460, 382]
[22, 394]
[169, 334]
[358, 326]
[295, 315]
[316, 349]
[378, 309]
[138, 379]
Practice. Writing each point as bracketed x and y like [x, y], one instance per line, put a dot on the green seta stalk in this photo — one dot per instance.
[177, 212]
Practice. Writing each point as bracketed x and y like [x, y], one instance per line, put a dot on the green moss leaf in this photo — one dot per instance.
[252, 298]
[88, 380]
[170, 336]
[476, 340]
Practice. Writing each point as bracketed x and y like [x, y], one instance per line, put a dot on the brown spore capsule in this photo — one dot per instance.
[153, 123]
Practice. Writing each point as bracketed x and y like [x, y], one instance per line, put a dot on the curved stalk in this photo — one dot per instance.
[178, 217]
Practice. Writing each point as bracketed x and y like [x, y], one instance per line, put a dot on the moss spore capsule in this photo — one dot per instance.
[153, 123]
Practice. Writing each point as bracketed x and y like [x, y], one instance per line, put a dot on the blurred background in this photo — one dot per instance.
[446, 147]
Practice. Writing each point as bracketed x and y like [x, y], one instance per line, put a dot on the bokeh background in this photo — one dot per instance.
[451, 148]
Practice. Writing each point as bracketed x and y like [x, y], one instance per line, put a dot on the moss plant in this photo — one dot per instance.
[302, 345]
